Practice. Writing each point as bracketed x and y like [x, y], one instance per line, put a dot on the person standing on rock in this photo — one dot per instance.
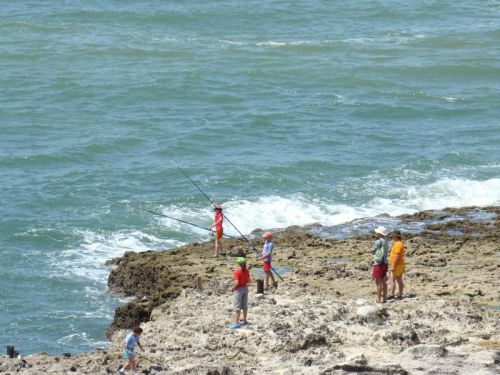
[241, 277]
[266, 256]
[380, 250]
[219, 232]
[396, 265]
[128, 346]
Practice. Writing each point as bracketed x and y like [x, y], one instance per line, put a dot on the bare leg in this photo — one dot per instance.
[266, 280]
[399, 280]
[392, 285]
[378, 283]
[216, 247]
[245, 313]
[237, 316]
[126, 366]
[384, 289]
[129, 365]
[219, 247]
[272, 277]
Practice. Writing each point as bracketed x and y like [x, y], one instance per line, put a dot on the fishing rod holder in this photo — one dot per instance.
[11, 352]
[260, 286]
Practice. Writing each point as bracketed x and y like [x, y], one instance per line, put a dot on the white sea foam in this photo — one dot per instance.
[390, 38]
[87, 260]
[273, 43]
[264, 212]
[272, 211]
[278, 212]
[449, 99]
[447, 192]
[231, 42]
[76, 339]
[451, 192]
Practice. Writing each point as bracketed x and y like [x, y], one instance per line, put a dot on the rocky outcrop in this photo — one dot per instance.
[321, 319]
[157, 277]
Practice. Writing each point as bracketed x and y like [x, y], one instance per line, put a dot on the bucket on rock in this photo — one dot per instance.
[260, 286]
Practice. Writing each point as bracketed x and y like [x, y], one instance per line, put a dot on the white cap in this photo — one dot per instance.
[381, 230]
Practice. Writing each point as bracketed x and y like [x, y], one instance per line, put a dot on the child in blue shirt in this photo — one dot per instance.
[266, 256]
[128, 349]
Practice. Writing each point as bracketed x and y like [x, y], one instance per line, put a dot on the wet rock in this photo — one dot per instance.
[129, 316]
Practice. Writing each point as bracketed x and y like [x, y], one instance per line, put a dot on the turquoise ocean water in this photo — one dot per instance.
[285, 112]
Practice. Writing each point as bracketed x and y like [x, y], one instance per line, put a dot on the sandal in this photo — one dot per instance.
[235, 326]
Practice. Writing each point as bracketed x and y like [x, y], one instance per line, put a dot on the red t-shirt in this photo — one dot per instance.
[218, 216]
[241, 276]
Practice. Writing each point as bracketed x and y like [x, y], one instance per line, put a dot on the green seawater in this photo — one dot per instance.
[285, 112]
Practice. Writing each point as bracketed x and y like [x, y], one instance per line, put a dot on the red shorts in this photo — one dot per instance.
[219, 233]
[379, 271]
[266, 267]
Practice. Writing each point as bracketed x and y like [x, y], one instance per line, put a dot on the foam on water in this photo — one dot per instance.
[81, 339]
[390, 38]
[450, 192]
[88, 259]
[275, 44]
[278, 212]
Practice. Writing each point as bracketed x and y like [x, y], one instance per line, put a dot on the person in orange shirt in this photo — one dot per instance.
[219, 232]
[396, 265]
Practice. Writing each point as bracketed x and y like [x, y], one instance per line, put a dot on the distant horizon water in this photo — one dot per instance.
[286, 113]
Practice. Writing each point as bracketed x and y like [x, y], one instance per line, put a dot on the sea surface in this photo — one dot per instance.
[285, 112]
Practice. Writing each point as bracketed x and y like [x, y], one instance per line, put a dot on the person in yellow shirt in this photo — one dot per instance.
[396, 265]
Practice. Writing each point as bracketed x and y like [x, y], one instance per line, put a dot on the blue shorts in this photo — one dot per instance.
[127, 354]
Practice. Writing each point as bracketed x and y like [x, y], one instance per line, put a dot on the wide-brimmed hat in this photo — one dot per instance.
[396, 233]
[217, 207]
[241, 260]
[381, 230]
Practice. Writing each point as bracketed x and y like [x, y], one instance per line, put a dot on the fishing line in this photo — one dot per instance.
[225, 217]
[162, 215]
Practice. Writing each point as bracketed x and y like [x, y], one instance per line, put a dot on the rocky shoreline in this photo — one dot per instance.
[321, 319]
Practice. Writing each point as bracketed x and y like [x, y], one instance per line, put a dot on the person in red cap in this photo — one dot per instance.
[266, 256]
[219, 232]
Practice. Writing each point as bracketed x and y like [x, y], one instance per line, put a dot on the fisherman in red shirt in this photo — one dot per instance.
[241, 278]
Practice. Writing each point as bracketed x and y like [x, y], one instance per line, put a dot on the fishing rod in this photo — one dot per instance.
[211, 202]
[158, 214]
[156, 365]
[225, 217]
